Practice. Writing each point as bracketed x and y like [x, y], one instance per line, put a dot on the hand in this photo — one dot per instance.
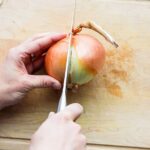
[15, 73]
[60, 132]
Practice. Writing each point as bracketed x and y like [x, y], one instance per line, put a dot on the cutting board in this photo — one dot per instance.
[116, 102]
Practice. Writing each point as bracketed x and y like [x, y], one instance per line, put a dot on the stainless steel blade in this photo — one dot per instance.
[63, 99]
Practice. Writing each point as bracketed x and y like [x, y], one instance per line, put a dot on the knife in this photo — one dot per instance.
[63, 98]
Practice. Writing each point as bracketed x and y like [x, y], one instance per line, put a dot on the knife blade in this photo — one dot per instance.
[63, 98]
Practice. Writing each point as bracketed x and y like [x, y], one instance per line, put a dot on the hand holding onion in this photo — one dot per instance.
[88, 56]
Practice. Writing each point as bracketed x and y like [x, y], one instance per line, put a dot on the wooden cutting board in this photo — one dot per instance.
[117, 101]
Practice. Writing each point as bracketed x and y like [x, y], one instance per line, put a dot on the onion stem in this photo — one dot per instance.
[93, 26]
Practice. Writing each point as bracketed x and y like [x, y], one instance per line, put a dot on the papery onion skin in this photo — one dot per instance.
[88, 56]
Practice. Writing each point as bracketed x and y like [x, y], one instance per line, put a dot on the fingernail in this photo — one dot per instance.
[56, 86]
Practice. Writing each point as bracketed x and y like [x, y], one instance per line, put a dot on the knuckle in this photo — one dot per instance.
[39, 46]
[25, 82]
[23, 55]
[14, 53]
[77, 127]
[65, 116]
[83, 139]
[45, 83]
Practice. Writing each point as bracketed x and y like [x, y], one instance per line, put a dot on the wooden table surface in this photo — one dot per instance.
[116, 102]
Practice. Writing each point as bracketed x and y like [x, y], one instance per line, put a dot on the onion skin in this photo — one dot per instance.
[88, 56]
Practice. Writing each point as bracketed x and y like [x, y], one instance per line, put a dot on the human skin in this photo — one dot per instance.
[59, 131]
[16, 72]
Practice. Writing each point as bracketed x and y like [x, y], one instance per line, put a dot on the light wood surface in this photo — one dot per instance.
[117, 101]
[13, 144]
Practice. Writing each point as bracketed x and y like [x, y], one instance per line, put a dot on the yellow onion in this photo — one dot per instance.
[87, 59]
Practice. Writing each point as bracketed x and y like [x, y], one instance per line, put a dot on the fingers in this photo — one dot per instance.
[34, 47]
[72, 111]
[41, 81]
[37, 36]
[35, 65]
[40, 45]
[82, 141]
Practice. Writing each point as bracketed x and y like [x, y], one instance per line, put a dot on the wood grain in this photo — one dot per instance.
[18, 144]
[117, 101]
[13, 144]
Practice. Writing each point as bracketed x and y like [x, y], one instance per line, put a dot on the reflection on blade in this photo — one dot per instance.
[63, 101]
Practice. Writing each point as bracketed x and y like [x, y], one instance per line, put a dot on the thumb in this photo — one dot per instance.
[72, 111]
[41, 81]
